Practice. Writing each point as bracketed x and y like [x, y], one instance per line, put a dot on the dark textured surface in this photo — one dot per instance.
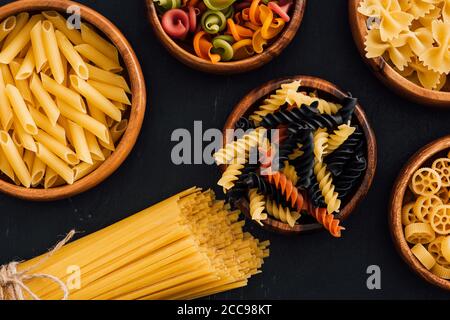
[307, 267]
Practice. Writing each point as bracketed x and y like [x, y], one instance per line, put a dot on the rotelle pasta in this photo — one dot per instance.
[426, 217]
[172, 253]
[49, 75]
[224, 30]
[413, 36]
[306, 169]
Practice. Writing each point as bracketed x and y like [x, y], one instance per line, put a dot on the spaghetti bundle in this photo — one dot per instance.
[185, 247]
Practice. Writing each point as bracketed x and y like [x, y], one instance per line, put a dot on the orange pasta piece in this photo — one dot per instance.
[202, 47]
[270, 28]
[254, 12]
[287, 188]
[258, 42]
[251, 26]
[238, 32]
[242, 49]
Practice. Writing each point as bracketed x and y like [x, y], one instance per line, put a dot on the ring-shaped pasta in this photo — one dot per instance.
[435, 248]
[426, 182]
[442, 167]
[440, 219]
[408, 215]
[424, 205]
[423, 256]
[444, 195]
[445, 248]
[419, 233]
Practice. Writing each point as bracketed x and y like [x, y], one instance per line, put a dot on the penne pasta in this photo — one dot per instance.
[21, 20]
[21, 110]
[44, 99]
[52, 161]
[72, 56]
[50, 177]
[22, 85]
[79, 142]
[52, 51]
[118, 130]
[95, 98]
[98, 58]
[111, 92]
[60, 24]
[92, 38]
[120, 106]
[56, 131]
[94, 147]
[28, 158]
[15, 159]
[40, 58]
[7, 26]
[12, 49]
[37, 172]
[26, 140]
[83, 169]
[27, 66]
[7, 76]
[100, 117]
[59, 149]
[5, 167]
[84, 120]
[108, 77]
[63, 93]
[6, 113]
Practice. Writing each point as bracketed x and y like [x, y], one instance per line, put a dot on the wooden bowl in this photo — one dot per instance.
[386, 73]
[137, 108]
[328, 91]
[423, 157]
[232, 67]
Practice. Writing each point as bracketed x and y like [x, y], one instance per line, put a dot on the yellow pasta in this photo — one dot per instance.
[15, 159]
[6, 114]
[92, 38]
[72, 56]
[423, 256]
[27, 66]
[111, 92]
[98, 58]
[52, 50]
[79, 142]
[5, 167]
[113, 79]
[100, 117]
[52, 161]
[59, 149]
[25, 138]
[21, 110]
[37, 44]
[83, 169]
[7, 26]
[56, 131]
[28, 158]
[51, 177]
[60, 24]
[94, 147]
[7, 76]
[37, 172]
[44, 99]
[63, 93]
[21, 20]
[22, 85]
[118, 130]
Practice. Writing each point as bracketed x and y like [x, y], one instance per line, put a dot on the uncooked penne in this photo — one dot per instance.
[6, 114]
[44, 99]
[26, 140]
[15, 159]
[28, 158]
[83, 169]
[5, 167]
[60, 24]
[7, 26]
[95, 97]
[98, 58]
[22, 85]
[40, 58]
[111, 92]
[100, 117]
[94, 147]
[21, 20]
[84, 120]
[12, 49]
[56, 131]
[27, 66]
[59, 149]
[118, 130]
[37, 172]
[21, 110]
[72, 56]
[63, 93]
[7, 76]
[52, 161]
[92, 38]
[52, 51]
[50, 177]
[108, 77]
[79, 142]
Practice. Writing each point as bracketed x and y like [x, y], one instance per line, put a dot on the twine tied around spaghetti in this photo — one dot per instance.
[13, 282]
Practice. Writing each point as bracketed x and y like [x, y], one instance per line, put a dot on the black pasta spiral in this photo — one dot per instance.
[240, 188]
[351, 173]
[339, 158]
[254, 180]
[348, 108]
[244, 124]
[285, 149]
[305, 163]
[294, 116]
[315, 194]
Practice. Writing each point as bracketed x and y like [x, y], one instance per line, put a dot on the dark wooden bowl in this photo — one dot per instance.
[423, 157]
[232, 67]
[386, 73]
[329, 91]
[137, 108]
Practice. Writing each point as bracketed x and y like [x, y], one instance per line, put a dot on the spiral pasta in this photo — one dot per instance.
[257, 206]
[339, 136]
[290, 172]
[299, 98]
[230, 176]
[326, 186]
[281, 213]
[320, 143]
[328, 221]
[287, 188]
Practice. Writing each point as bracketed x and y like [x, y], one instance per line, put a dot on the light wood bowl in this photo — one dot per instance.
[137, 112]
[423, 157]
[232, 67]
[328, 91]
[386, 73]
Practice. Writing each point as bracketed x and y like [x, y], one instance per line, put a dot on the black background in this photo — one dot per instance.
[306, 267]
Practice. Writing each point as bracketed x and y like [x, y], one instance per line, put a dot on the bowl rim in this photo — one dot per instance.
[386, 73]
[248, 102]
[138, 88]
[396, 203]
[231, 67]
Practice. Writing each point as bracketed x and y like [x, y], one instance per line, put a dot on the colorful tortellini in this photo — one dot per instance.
[413, 36]
[225, 30]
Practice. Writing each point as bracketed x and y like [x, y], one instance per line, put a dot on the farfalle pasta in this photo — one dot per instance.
[426, 217]
[413, 36]
[299, 159]
[224, 30]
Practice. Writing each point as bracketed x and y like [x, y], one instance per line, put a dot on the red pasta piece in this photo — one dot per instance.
[328, 220]
[175, 23]
[287, 188]
[281, 10]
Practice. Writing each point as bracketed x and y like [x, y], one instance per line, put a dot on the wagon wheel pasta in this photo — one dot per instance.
[58, 87]
[412, 36]
[310, 158]
[427, 218]
[225, 30]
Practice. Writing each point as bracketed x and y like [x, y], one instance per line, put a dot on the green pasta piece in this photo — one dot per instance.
[218, 4]
[213, 21]
[223, 48]
[167, 4]
[228, 12]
